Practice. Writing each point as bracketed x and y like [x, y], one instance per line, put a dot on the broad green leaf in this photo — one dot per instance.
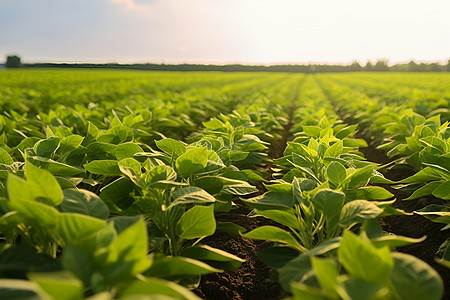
[271, 200]
[172, 147]
[279, 188]
[214, 257]
[5, 158]
[357, 211]
[334, 150]
[36, 214]
[363, 260]
[190, 194]
[43, 185]
[17, 261]
[59, 285]
[18, 189]
[70, 143]
[126, 150]
[360, 177]
[76, 228]
[302, 291]
[327, 273]
[276, 256]
[166, 267]
[443, 191]
[197, 222]
[275, 234]
[336, 173]
[84, 202]
[156, 286]
[286, 217]
[371, 193]
[116, 195]
[79, 261]
[192, 161]
[239, 190]
[298, 269]
[160, 173]
[329, 202]
[414, 279]
[425, 190]
[350, 288]
[18, 289]
[55, 167]
[103, 167]
[47, 146]
[394, 241]
[425, 175]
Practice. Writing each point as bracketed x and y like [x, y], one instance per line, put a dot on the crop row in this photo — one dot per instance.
[112, 200]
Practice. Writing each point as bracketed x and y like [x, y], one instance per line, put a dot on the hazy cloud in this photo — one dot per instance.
[224, 30]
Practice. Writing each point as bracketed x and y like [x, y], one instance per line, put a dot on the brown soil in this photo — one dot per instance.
[415, 226]
[253, 279]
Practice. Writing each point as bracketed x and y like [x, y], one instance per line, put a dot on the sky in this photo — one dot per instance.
[225, 31]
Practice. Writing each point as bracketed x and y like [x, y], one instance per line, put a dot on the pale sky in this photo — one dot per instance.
[225, 31]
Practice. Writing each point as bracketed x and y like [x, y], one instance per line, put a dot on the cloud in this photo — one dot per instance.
[224, 30]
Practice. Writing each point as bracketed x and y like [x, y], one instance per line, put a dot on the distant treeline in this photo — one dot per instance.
[379, 66]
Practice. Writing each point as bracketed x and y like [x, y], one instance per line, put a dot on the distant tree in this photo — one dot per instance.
[381, 65]
[12, 61]
[448, 65]
[355, 66]
[368, 66]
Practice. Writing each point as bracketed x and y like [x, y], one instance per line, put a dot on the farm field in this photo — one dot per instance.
[209, 185]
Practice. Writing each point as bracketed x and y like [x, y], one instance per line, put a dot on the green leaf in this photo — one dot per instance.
[126, 150]
[17, 261]
[276, 256]
[43, 185]
[36, 214]
[275, 234]
[190, 194]
[297, 270]
[55, 167]
[414, 279]
[18, 189]
[16, 289]
[363, 260]
[327, 274]
[360, 177]
[155, 286]
[5, 158]
[357, 211]
[425, 175]
[59, 285]
[334, 150]
[47, 146]
[215, 257]
[329, 202]
[336, 173]
[425, 190]
[167, 267]
[271, 200]
[84, 202]
[357, 288]
[443, 191]
[286, 217]
[116, 195]
[192, 162]
[76, 228]
[70, 143]
[172, 147]
[197, 222]
[103, 167]
[372, 193]
[395, 241]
